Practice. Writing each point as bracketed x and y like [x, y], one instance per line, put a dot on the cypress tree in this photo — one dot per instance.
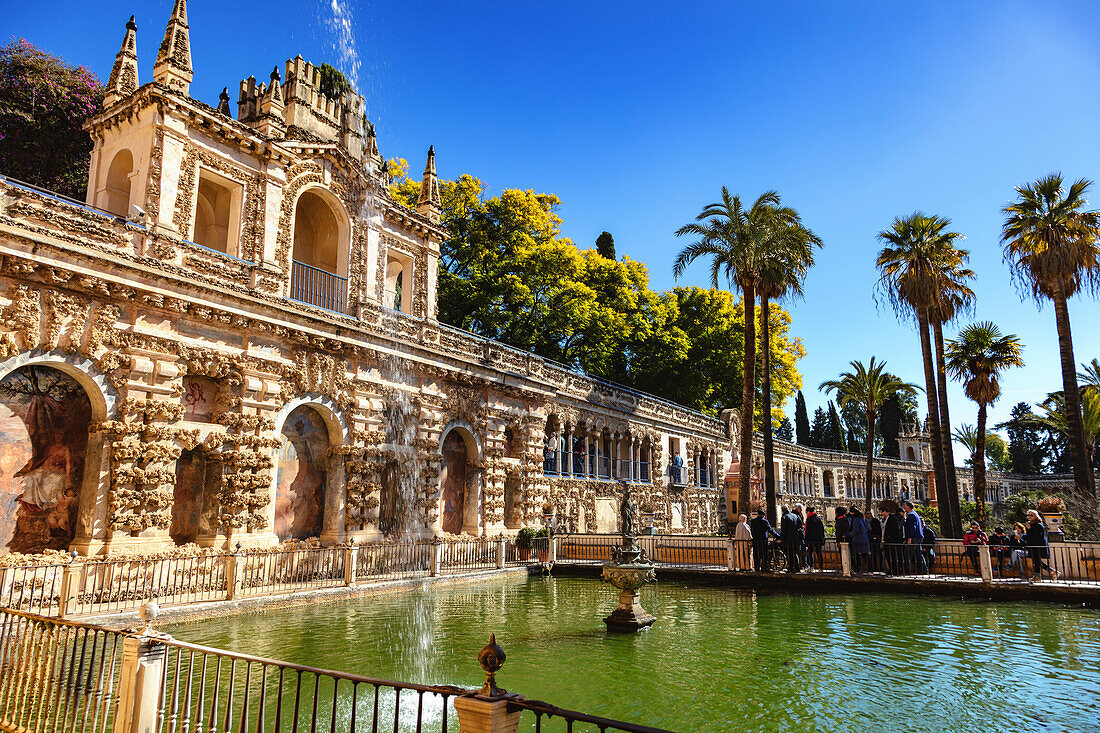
[801, 420]
[819, 430]
[605, 245]
[785, 431]
[834, 431]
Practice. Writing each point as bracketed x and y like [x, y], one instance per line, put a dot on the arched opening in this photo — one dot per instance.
[388, 520]
[44, 418]
[513, 518]
[302, 475]
[115, 196]
[453, 483]
[911, 454]
[194, 498]
[398, 289]
[217, 212]
[319, 267]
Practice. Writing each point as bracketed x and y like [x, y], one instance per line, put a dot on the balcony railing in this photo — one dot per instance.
[309, 284]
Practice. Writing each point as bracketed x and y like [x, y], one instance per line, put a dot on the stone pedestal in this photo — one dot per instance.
[480, 715]
[629, 616]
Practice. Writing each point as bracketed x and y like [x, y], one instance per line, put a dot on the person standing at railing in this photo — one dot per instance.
[815, 541]
[928, 547]
[998, 543]
[860, 537]
[1019, 548]
[742, 543]
[840, 525]
[791, 532]
[760, 528]
[914, 538]
[973, 538]
[874, 531]
[1037, 547]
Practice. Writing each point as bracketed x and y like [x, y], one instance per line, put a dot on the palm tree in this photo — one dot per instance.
[976, 358]
[788, 256]
[1055, 417]
[733, 238]
[1050, 239]
[1089, 375]
[922, 275]
[869, 387]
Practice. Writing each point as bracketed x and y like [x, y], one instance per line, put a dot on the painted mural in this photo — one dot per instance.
[302, 473]
[198, 398]
[44, 417]
[453, 482]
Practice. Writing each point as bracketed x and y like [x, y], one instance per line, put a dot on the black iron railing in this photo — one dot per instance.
[309, 284]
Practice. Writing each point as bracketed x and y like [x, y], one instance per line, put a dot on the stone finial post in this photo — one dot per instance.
[731, 554]
[487, 710]
[845, 558]
[72, 576]
[234, 574]
[437, 556]
[501, 546]
[143, 659]
[351, 563]
[985, 563]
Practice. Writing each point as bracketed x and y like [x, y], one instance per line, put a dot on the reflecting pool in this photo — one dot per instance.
[718, 659]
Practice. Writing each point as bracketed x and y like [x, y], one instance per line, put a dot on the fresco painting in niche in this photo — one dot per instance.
[300, 486]
[198, 398]
[454, 483]
[44, 416]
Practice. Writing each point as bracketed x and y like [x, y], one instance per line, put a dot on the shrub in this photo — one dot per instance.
[526, 536]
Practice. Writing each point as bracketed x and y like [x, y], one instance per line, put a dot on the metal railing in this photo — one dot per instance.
[1076, 563]
[114, 585]
[312, 285]
[58, 676]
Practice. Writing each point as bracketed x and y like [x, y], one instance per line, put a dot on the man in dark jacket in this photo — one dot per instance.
[914, 538]
[874, 534]
[815, 540]
[791, 534]
[841, 524]
[760, 528]
[893, 534]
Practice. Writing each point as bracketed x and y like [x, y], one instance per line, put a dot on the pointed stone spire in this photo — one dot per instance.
[429, 203]
[271, 122]
[173, 67]
[223, 102]
[124, 74]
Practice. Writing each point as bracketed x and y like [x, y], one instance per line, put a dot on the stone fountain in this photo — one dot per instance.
[628, 570]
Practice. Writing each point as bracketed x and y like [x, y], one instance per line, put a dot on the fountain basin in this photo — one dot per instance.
[628, 616]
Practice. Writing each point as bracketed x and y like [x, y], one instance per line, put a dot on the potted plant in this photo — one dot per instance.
[1052, 509]
[525, 541]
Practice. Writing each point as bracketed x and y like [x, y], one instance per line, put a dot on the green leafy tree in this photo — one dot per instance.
[785, 431]
[976, 358]
[819, 429]
[801, 420]
[996, 453]
[834, 430]
[1025, 441]
[923, 276]
[897, 411]
[43, 105]
[605, 245]
[333, 83]
[868, 386]
[1050, 239]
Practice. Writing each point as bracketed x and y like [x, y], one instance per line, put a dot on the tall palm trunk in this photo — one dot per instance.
[932, 393]
[945, 435]
[870, 463]
[748, 397]
[1082, 471]
[769, 447]
[978, 461]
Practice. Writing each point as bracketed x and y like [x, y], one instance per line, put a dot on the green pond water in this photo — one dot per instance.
[718, 659]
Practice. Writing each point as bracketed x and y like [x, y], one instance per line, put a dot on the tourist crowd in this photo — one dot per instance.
[896, 542]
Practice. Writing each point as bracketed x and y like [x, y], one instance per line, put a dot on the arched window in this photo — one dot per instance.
[398, 290]
[912, 454]
[115, 196]
[217, 213]
[320, 257]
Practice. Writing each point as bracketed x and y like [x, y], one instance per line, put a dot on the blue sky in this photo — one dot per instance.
[635, 114]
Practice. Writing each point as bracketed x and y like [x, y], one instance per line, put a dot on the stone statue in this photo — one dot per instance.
[626, 514]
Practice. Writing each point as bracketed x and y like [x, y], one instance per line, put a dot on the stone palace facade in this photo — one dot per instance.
[235, 340]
